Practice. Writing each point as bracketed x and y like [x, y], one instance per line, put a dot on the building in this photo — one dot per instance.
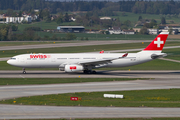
[74, 29]
[73, 19]
[115, 30]
[129, 32]
[153, 31]
[137, 29]
[14, 19]
[105, 18]
[170, 26]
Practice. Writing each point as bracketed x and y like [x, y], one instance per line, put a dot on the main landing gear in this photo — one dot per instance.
[24, 71]
[89, 72]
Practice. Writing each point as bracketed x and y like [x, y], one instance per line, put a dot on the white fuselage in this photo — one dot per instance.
[56, 60]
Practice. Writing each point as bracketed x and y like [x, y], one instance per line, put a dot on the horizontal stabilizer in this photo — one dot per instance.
[158, 55]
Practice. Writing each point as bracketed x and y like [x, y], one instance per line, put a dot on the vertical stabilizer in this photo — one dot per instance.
[158, 43]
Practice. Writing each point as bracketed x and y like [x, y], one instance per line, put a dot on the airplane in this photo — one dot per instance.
[73, 62]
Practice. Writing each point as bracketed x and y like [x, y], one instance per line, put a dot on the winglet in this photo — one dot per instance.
[101, 51]
[125, 55]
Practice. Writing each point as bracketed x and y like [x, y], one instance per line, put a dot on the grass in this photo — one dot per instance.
[129, 119]
[116, 119]
[92, 48]
[152, 65]
[174, 57]
[134, 17]
[137, 98]
[173, 53]
[29, 43]
[33, 81]
[43, 25]
[101, 36]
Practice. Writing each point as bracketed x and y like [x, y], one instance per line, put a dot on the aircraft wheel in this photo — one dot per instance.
[24, 72]
[93, 72]
[85, 71]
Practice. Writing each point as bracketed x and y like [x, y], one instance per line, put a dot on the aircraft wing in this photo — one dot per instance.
[101, 61]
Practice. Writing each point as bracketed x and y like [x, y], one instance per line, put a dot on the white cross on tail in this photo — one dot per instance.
[158, 42]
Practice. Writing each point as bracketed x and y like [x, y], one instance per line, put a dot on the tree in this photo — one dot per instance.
[59, 20]
[70, 36]
[66, 18]
[3, 34]
[20, 14]
[144, 30]
[140, 18]
[29, 34]
[54, 37]
[14, 27]
[163, 20]
[9, 37]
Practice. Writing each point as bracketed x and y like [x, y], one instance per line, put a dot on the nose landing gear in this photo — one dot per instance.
[24, 71]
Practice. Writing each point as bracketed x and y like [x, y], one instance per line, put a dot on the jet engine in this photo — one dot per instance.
[73, 68]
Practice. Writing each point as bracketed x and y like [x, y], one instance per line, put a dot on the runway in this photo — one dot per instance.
[14, 91]
[35, 112]
[163, 80]
[167, 74]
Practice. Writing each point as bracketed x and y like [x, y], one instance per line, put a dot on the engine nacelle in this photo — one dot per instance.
[73, 68]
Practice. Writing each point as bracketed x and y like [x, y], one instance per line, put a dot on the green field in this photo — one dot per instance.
[11, 43]
[127, 119]
[173, 53]
[134, 17]
[34, 81]
[100, 36]
[115, 119]
[136, 98]
[92, 48]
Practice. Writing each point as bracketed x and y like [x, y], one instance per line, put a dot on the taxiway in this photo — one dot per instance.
[35, 112]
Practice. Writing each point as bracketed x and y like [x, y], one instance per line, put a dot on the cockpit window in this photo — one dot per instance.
[13, 58]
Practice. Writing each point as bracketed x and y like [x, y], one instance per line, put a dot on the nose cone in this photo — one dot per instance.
[10, 62]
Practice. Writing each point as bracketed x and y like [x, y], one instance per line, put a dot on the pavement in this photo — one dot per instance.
[14, 91]
[163, 80]
[40, 112]
[169, 74]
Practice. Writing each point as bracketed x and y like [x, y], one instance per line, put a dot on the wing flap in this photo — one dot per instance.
[101, 61]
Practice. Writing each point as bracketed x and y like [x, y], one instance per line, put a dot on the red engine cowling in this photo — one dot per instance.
[73, 68]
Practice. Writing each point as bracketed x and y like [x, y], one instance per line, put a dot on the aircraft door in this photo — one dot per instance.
[138, 57]
[22, 59]
[53, 59]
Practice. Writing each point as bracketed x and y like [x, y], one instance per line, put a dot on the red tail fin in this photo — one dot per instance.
[158, 43]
